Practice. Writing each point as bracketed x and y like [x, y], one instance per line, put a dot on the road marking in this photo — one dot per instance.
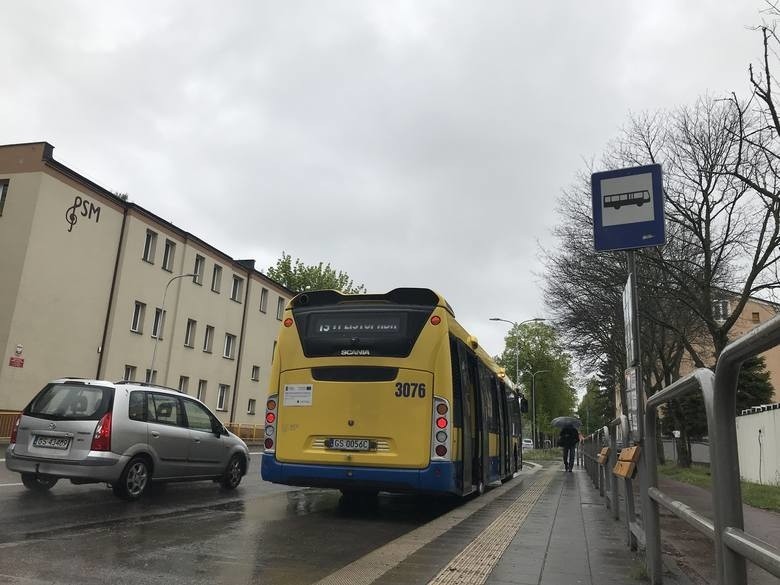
[2, 459]
[370, 567]
[9, 484]
[258, 453]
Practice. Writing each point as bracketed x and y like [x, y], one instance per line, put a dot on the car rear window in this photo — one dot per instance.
[71, 402]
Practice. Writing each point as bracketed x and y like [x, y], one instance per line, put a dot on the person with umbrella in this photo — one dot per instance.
[568, 438]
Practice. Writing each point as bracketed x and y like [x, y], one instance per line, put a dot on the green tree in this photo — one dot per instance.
[753, 385]
[539, 350]
[300, 277]
[596, 408]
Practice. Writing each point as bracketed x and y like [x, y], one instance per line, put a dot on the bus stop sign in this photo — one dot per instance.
[628, 208]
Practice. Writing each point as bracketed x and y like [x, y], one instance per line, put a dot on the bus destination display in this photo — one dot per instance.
[357, 326]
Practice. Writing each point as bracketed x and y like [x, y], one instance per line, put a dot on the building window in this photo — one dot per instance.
[255, 373]
[235, 291]
[159, 323]
[202, 390]
[280, 308]
[230, 346]
[189, 335]
[222, 397]
[149, 246]
[3, 191]
[170, 250]
[250, 408]
[264, 300]
[137, 325]
[756, 317]
[184, 383]
[208, 339]
[216, 278]
[129, 373]
[151, 376]
[200, 264]
[720, 310]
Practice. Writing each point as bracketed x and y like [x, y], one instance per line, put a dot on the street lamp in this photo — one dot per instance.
[517, 341]
[162, 320]
[533, 402]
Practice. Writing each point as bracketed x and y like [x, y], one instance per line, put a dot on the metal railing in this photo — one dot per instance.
[732, 545]
[247, 432]
[7, 418]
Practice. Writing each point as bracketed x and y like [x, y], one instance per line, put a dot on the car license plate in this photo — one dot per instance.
[348, 444]
[51, 442]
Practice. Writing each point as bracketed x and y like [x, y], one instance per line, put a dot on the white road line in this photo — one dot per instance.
[9, 484]
[2, 459]
[258, 453]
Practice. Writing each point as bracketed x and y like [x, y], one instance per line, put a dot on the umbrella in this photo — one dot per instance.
[566, 421]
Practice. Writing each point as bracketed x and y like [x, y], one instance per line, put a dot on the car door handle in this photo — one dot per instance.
[155, 434]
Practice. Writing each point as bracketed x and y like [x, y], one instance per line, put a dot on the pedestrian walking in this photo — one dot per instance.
[568, 440]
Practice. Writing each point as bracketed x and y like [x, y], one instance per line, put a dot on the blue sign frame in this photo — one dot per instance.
[629, 236]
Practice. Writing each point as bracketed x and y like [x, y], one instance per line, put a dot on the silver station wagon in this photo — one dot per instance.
[125, 434]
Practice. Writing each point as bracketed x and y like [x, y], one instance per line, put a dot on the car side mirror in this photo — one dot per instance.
[523, 404]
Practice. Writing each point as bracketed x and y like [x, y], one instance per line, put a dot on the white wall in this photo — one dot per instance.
[758, 439]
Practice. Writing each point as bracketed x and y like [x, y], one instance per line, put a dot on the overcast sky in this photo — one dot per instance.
[419, 143]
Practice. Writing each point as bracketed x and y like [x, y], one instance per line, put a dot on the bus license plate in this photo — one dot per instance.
[51, 442]
[348, 444]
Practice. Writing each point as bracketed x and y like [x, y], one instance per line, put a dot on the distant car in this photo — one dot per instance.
[126, 434]
[528, 444]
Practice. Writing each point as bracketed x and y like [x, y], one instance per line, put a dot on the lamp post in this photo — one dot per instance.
[517, 363]
[517, 341]
[533, 402]
[162, 320]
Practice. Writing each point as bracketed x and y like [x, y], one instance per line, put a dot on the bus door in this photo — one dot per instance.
[481, 453]
[505, 432]
[463, 381]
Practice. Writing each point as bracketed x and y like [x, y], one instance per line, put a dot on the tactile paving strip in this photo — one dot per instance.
[475, 562]
[370, 567]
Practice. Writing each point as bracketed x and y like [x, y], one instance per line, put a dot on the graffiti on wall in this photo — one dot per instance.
[84, 208]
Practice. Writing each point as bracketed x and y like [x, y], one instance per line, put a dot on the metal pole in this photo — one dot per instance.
[162, 321]
[644, 462]
[533, 405]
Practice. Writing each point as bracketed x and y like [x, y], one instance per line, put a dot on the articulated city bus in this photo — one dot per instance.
[387, 392]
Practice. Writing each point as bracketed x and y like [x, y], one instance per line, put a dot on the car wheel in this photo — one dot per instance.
[134, 479]
[38, 483]
[233, 473]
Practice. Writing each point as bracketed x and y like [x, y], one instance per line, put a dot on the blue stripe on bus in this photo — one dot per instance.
[438, 477]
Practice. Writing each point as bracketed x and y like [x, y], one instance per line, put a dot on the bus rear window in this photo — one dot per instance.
[370, 332]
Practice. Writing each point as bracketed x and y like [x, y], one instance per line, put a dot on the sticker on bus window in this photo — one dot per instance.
[297, 394]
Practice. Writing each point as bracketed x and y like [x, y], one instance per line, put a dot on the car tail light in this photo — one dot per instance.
[101, 440]
[15, 428]
[270, 422]
[440, 439]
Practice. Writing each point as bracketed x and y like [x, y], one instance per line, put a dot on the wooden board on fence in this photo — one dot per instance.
[604, 456]
[630, 454]
[624, 469]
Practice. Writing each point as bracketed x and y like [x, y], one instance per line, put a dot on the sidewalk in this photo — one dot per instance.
[545, 527]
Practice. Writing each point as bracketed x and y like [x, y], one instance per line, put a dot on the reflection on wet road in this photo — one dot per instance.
[195, 533]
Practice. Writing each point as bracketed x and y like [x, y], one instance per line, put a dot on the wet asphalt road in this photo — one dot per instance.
[193, 532]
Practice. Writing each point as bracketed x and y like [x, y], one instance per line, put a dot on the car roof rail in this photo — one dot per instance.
[149, 385]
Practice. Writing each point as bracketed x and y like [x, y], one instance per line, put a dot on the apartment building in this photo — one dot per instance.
[92, 286]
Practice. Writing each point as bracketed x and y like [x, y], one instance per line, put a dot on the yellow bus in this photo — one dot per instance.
[387, 392]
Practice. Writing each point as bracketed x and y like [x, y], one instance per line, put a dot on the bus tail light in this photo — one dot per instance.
[270, 422]
[441, 435]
